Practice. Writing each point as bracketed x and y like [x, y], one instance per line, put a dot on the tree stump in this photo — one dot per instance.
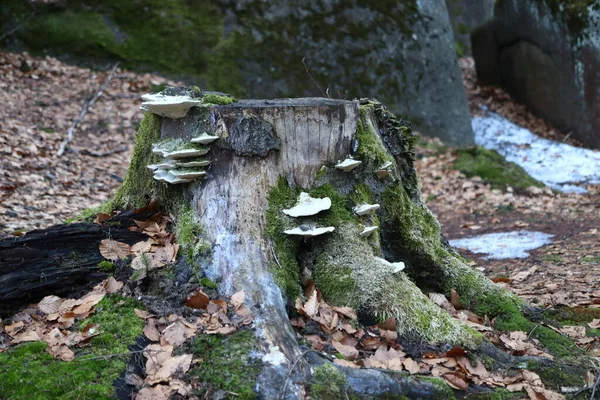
[263, 155]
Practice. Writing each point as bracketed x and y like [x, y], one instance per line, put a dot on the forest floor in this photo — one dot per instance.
[42, 96]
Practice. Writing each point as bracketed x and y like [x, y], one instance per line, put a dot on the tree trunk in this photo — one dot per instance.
[267, 153]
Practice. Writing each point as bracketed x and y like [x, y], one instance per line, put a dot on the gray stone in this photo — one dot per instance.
[548, 58]
[399, 52]
[465, 16]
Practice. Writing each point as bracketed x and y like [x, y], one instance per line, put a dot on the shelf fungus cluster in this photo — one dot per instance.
[308, 206]
[182, 162]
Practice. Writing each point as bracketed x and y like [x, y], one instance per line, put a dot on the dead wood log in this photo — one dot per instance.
[60, 260]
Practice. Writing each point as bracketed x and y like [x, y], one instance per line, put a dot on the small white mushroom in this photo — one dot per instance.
[185, 153]
[168, 106]
[205, 138]
[364, 209]
[368, 230]
[193, 164]
[187, 174]
[307, 205]
[309, 231]
[348, 164]
[166, 176]
[384, 170]
[165, 165]
[395, 267]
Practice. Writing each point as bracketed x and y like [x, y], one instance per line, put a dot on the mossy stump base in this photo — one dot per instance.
[266, 154]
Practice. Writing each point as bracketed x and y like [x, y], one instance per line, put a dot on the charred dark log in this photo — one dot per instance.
[60, 260]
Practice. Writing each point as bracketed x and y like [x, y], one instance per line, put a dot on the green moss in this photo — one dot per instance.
[460, 48]
[593, 260]
[188, 233]
[445, 392]
[553, 258]
[493, 169]
[227, 363]
[106, 265]
[572, 316]
[285, 270]
[555, 375]
[28, 372]
[370, 147]
[573, 13]
[207, 283]
[87, 215]
[172, 36]
[328, 383]
[213, 98]
[340, 211]
[139, 187]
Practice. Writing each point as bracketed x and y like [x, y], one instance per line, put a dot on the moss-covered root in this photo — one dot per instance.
[413, 234]
[347, 273]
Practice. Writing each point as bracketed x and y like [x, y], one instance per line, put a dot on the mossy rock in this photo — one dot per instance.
[493, 169]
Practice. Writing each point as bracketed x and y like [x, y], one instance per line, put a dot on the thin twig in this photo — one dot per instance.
[19, 25]
[313, 79]
[292, 370]
[595, 387]
[84, 110]
[275, 257]
[533, 330]
[103, 154]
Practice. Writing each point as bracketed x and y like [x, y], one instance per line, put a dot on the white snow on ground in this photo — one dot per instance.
[505, 244]
[558, 165]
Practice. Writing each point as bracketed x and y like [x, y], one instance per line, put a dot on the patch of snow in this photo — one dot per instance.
[558, 165]
[503, 245]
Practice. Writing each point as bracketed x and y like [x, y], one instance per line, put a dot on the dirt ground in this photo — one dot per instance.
[42, 97]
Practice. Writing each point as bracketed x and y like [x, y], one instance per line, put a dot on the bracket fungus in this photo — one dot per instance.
[164, 165]
[306, 206]
[193, 164]
[365, 209]
[168, 106]
[384, 170]
[188, 173]
[168, 177]
[348, 164]
[309, 231]
[368, 230]
[205, 138]
[395, 267]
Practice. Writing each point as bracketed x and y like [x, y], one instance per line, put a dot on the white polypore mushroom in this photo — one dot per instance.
[348, 164]
[384, 170]
[205, 138]
[368, 230]
[364, 209]
[167, 176]
[307, 205]
[193, 164]
[165, 165]
[184, 153]
[187, 174]
[309, 231]
[168, 106]
[395, 267]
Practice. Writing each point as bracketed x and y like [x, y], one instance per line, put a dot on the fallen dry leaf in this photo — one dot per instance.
[49, 304]
[113, 250]
[198, 300]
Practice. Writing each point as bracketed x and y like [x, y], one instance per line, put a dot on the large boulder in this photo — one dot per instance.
[465, 16]
[402, 51]
[546, 53]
